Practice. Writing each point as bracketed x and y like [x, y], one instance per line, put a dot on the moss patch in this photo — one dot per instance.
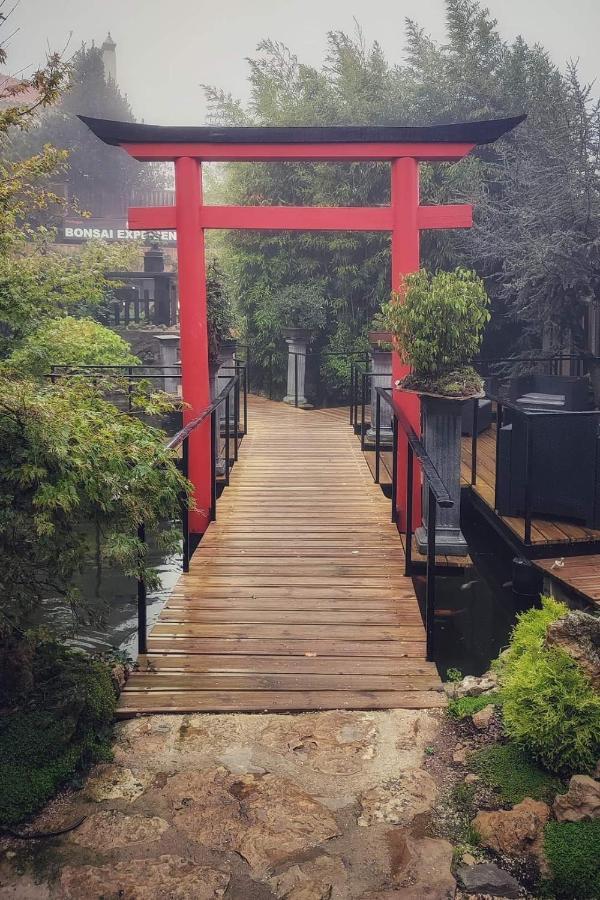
[464, 707]
[64, 725]
[573, 852]
[513, 775]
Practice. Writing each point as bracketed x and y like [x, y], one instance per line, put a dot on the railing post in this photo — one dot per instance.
[474, 438]
[394, 467]
[410, 466]
[236, 417]
[141, 600]
[129, 388]
[497, 474]
[351, 393]
[227, 439]
[215, 435]
[528, 468]
[377, 433]
[363, 403]
[430, 576]
[246, 376]
[185, 508]
[270, 376]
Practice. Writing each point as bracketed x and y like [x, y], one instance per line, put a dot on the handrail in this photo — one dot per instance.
[437, 495]
[440, 491]
[178, 439]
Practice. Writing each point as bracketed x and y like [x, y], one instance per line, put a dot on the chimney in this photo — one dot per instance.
[109, 58]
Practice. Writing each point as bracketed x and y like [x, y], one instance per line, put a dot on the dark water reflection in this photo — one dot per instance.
[112, 602]
[476, 612]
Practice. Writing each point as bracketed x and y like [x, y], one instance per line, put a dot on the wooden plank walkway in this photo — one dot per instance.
[296, 597]
[580, 573]
[543, 530]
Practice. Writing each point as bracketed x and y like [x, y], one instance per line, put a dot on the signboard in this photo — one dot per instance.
[80, 234]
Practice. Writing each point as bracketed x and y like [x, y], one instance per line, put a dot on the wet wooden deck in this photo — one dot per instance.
[296, 597]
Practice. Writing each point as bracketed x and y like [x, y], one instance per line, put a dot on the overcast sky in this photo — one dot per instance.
[167, 48]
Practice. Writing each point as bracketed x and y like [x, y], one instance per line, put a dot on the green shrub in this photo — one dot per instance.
[573, 852]
[64, 725]
[513, 774]
[463, 707]
[72, 342]
[550, 707]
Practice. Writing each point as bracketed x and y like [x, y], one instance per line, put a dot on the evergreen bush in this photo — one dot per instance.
[62, 725]
[549, 705]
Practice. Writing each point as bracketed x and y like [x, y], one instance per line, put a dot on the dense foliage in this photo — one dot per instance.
[73, 342]
[438, 323]
[549, 705]
[573, 853]
[221, 320]
[62, 724]
[536, 191]
[68, 458]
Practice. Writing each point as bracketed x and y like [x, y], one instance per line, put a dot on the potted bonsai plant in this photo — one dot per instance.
[438, 325]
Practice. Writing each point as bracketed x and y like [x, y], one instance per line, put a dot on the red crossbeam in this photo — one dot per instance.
[277, 152]
[301, 218]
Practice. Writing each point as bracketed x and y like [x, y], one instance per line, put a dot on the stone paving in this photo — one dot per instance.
[316, 806]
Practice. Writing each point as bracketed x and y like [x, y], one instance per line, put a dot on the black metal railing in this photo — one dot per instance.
[309, 355]
[229, 399]
[502, 405]
[435, 492]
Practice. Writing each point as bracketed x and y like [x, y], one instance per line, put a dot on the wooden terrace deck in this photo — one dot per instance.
[296, 597]
[544, 531]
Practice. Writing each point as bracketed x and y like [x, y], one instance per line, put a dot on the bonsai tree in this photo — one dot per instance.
[438, 324]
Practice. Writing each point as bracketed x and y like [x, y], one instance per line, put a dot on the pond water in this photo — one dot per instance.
[475, 612]
[112, 602]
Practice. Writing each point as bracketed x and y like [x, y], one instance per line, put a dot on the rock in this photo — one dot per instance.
[322, 878]
[399, 801]
[468, 859]
[111, 782]
[110, 829]
[582, 800]
[460, 756]
[471, 686]
[488, 879]
[265, 818]
[482, 719]
[119, 674]
[471, 778]
[578, 634]
[421, 867]
[515, 831]
[336, 742]
[165, 878]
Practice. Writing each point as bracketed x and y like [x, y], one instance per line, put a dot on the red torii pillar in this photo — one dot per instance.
[403, 147]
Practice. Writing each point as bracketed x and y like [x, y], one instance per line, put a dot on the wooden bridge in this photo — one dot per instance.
[296, 598]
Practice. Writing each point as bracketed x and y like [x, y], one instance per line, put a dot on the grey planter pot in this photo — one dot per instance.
[296, 339]
[381, 367]
[442, 439]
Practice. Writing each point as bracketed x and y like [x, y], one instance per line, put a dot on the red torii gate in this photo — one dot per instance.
[404, 147]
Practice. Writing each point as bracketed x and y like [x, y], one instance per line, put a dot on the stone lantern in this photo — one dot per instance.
[296, 339]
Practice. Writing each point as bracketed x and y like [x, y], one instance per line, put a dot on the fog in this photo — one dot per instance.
[167, 50]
